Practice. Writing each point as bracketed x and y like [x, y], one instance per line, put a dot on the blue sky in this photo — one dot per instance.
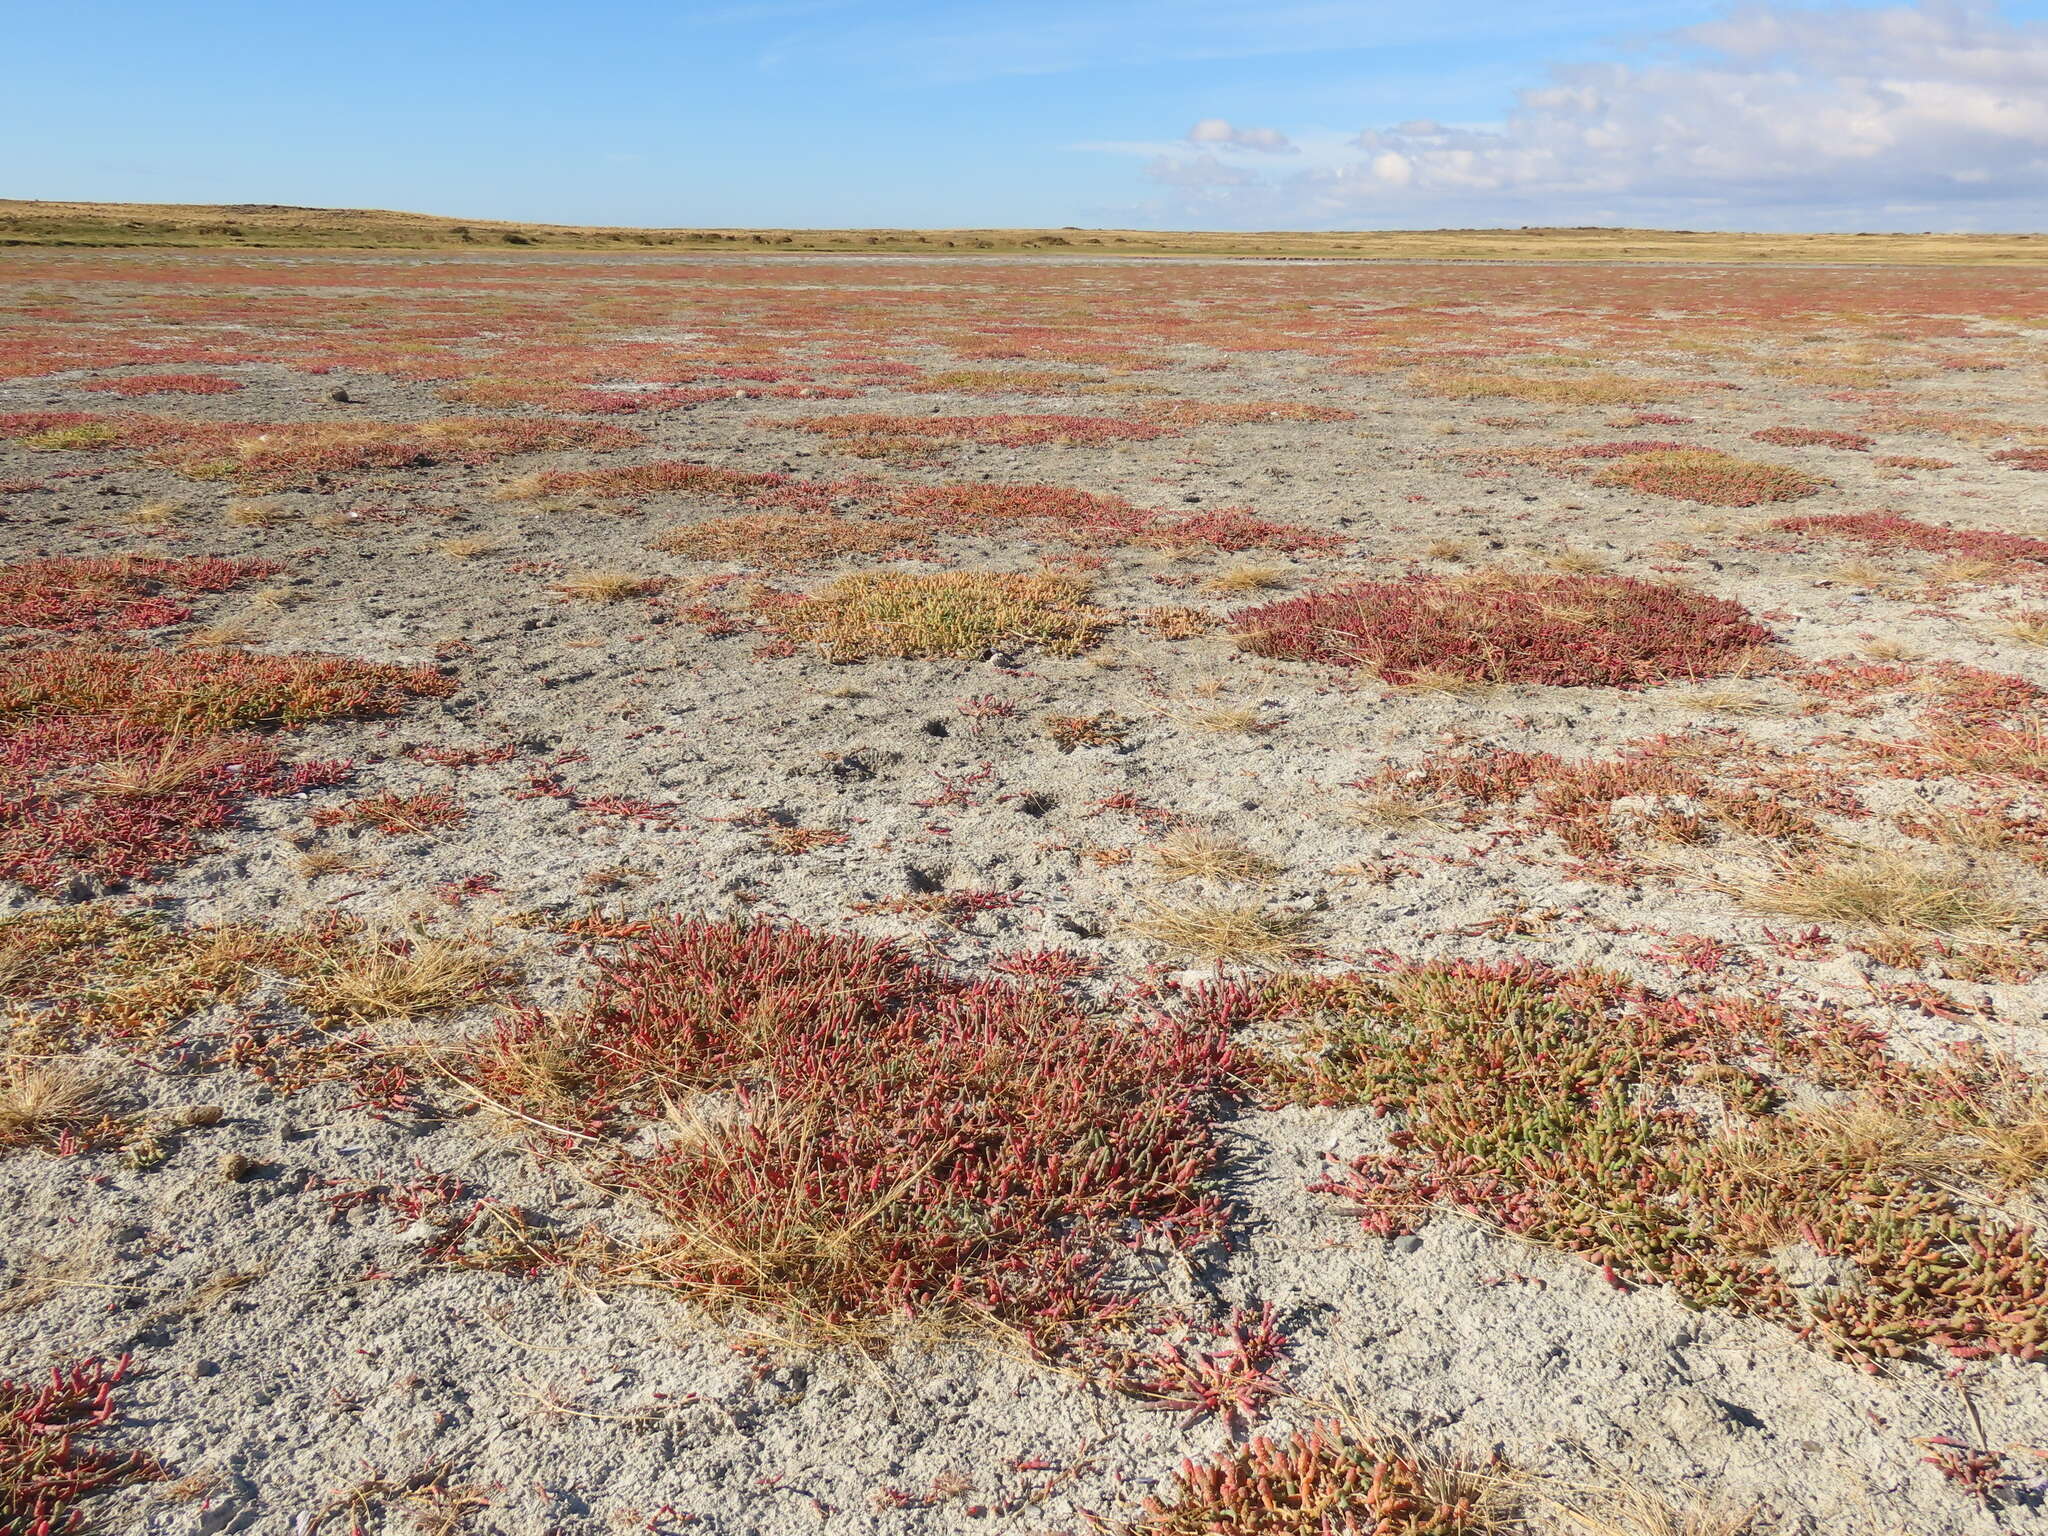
[860, 112]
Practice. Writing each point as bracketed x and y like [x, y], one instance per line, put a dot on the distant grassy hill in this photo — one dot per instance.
[272, 226]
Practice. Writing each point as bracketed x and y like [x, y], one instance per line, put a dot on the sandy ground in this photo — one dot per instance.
[290, 1353]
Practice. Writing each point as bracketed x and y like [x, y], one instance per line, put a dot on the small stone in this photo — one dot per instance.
[1407, 1244]
[338, 394]
[234, 1167]
[195, 1115]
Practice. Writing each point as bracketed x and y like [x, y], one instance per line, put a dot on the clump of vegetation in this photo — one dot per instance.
[1891, 891]
[785, 540]
[1088, 518]
[948, 613]
[89, 972]
[1323, 1480]
[997, 431]
[608, 586]
[105, 593]
[206, 690]
[1813, 437]
[1225, 932]
[165, 384]
[676, 477]
[1706, 475]
[1547, 1103]
[53, 1450]
[396, 815]
[1895, 530]
[1194, 854]
[995, 381]
[1500, 627]
[1692, 792]
[1583, 389]
[282, 455]
[861, 1141]
[116, 761]
[121, 800]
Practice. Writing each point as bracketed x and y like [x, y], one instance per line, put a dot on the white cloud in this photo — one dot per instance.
[1221, 133]
[1929, 115]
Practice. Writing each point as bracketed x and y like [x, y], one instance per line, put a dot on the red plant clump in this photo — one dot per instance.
[1812, 437]
[1024, 431]
[31, 423]
[1575, 800]
[116, 763]
[1227, 1370]
[1091, 518]
[165, 384]
[885, 1140]
[100, 593]
[395, 815]
[2022, 458]
[120, 801]
[1893, 528]
[48, 1461]
[1564, 631]
[1320, 1481]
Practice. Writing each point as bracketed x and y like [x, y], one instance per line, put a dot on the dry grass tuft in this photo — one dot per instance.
[1230, 719]
[42, 1099]
[949, 613]
[255, 514]
[1724, 701]
[1576, 562]
[215, 636]
[1390, 813]
[1863, 573]
[1703, 474]
[1247, 578]
[1194, 854]
[1886, 890]
[1226, 932]
[1995, 1138]
[2030, 628]
[467, 549]
[396, 980]
[527, 487]
[315, 862]
[608, 586]
[1628, 1510]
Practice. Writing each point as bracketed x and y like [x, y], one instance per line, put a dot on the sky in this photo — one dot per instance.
[1287, 114]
